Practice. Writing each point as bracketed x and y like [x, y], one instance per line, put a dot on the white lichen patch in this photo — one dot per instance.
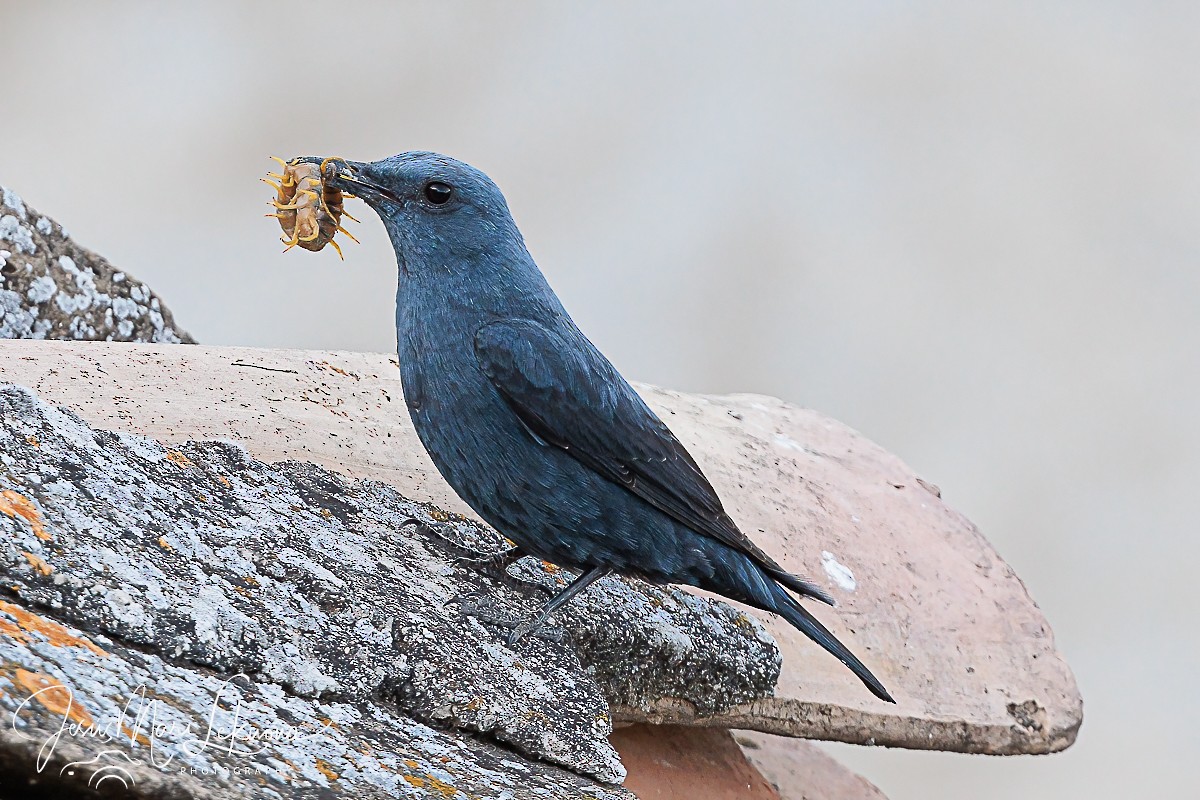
[838, 573]
[124, 308]
[16, 234]
[289, 556]
[13, 200]
[69, 293]
[16, 321]
[41, 289]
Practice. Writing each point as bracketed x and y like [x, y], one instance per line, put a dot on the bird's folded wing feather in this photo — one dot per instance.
[569, 396]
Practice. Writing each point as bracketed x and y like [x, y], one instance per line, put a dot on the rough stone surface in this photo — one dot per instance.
[802, 771]
[115, 719]
[669, 762]
[51, 288]
[326, 592]
[924, 599]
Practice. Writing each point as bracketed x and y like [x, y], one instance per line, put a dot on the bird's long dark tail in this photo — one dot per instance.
[790, 609]
[736, 576]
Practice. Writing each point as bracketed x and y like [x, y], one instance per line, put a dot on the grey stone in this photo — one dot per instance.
[51, 288]
[922, 596]
[195, 565]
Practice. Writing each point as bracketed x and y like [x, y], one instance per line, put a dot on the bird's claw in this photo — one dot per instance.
[489, 614]
[492, 562]
[495, 565]
[466, 600]
[533, 627]
[487, 563]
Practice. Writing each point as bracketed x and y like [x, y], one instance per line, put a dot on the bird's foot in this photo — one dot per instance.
[484, 608]
[495, 564]
[498, 561]
[492, 562]
[534, 627]
[528, 589]
[467, 599]
[457, 549]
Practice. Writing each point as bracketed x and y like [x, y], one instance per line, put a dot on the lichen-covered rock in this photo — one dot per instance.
[51, 288]
[922, 597]
[188, 567]
[659, 645]
[82, 711]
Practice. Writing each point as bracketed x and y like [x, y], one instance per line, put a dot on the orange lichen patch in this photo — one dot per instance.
[165, 545]
[179, 459]
[37, 563]
[326, 769]
[12, 631]
[444, 788]
[430, 782]
[53, 696]
[18, 505]
[54, 633]
[411, 764]
[326, 513]
[225, 481]
[140, 738]
[33, 440]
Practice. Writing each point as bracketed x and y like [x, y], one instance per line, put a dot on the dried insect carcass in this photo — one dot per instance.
[309, 211]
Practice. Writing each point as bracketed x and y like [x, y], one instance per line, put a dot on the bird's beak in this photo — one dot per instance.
[352, 177]
[356, 178]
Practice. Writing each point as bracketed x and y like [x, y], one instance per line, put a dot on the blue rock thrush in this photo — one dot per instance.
[530, 424]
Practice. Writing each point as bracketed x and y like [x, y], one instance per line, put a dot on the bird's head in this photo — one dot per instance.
[435, 208]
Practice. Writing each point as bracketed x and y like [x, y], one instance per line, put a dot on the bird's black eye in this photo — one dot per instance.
[437, 192]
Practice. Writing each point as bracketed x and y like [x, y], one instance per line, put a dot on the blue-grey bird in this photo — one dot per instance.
[530, 424]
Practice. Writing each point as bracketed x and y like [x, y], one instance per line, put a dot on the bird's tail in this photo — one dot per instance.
[790, 609]
[799, 585]
[737, 577]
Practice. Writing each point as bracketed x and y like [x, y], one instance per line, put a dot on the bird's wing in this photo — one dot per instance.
[569, 396]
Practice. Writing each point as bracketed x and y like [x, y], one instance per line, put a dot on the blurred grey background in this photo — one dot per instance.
[968, 230]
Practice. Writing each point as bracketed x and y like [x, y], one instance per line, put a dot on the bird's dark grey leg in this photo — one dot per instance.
[558, 601]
